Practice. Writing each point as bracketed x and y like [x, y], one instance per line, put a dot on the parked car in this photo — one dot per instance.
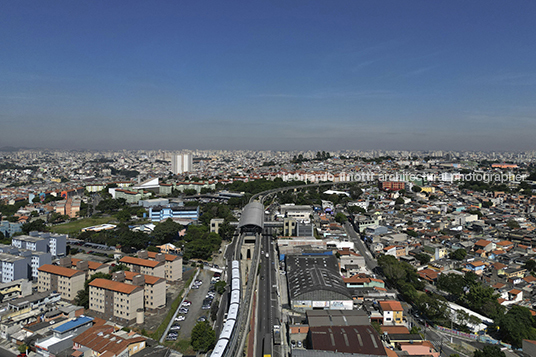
[183, 310]
[180, 318]
[202, 319]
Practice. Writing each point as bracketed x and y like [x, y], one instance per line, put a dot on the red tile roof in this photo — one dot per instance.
[114, 286]
[391, 305]
[139, 261]
[57, 270]
[149, 279]
[168, 257]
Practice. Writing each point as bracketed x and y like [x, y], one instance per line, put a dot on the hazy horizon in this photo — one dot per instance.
[304, 75]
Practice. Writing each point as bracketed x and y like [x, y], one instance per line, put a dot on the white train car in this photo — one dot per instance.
[235, 284]
[235, 273]
[220, 347]
[227, 330]
[235, 264]
[232, 314]
[235, 297]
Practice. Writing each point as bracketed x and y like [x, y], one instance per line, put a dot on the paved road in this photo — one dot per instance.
[269, 313]
[196, 296]
[363, 250]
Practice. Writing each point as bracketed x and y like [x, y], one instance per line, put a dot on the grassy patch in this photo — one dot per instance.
[183, 346]
[174, 306]
[76, 226]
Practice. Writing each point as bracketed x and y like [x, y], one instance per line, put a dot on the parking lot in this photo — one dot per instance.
[196, 296]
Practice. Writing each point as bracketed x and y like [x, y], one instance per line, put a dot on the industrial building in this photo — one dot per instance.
[314, 282]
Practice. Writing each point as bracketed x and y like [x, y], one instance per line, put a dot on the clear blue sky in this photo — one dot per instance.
[431, 74]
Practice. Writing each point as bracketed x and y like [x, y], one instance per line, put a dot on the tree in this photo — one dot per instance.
[399, 201]
[517, 325]
[166, 232]
[152, 248]
[119, 267]
[356, 209]
[416, 189]
[203, 337]
[37, 225]
[512, 224]
[458, 254]
[483, 299]
[451, 283]
[487, 204]
[423, 258]
[530, 265]
[355, 191]
[489, 351]
[214, 310]
[123, 215]
[226, 230]
[341, 218]
[22, 348]
[220, 287]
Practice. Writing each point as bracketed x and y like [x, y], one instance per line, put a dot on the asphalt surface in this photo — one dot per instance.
[196, 296]
[363, 250]
[268, 312]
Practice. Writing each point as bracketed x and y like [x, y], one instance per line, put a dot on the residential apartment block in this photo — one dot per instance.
[145, 266]
[114, 300]
[65, 281]
[154, 288]
[172, 264]
[88, 267]
[55, 244]
[13, 267]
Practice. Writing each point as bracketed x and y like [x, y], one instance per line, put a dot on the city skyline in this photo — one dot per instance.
[304, 75]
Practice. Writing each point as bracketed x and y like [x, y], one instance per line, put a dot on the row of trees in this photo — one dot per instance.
[512, 327]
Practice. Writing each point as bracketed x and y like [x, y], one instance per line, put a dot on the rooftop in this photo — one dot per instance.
[139, 261]
[77, 322]
[114, 286]
[57, 270]
[347, 339]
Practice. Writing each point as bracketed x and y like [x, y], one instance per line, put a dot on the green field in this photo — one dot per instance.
[76, 226]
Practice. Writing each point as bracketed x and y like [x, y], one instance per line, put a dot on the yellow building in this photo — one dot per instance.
[393, 313]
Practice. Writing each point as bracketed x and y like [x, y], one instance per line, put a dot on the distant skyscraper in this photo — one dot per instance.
[181, 163]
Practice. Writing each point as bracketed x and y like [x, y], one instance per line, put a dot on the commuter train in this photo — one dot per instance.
[232, 314]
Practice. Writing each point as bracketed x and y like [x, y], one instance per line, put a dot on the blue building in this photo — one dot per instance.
[62, 338]
[185, 213]
[9, 228]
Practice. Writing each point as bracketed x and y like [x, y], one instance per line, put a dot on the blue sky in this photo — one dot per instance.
[417, 75]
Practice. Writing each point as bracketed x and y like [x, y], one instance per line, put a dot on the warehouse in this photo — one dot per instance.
[314, 283]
